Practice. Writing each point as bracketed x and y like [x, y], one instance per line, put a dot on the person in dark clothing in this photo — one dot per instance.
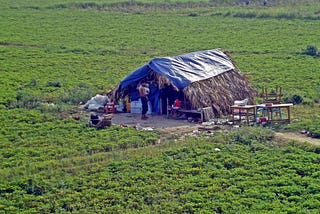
[144, 92]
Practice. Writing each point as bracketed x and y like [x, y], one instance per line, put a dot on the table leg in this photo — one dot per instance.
[233, 116]
[247, 116]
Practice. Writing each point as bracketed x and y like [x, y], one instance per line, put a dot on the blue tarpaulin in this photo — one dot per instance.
[184, 69]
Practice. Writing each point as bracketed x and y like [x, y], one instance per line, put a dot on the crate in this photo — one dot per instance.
[110, 108]
[135, 110]
[136, 107]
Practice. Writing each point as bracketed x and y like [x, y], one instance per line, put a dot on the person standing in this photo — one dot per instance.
[144, 92]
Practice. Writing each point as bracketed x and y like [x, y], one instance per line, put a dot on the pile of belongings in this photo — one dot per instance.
[97, 103]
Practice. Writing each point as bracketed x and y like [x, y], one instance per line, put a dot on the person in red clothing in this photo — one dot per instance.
[175, 107]
[177, 103]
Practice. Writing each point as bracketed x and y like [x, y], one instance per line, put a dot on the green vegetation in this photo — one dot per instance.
[248, 174]
[56, 54]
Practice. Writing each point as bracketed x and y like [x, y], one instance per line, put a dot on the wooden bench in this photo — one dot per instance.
[205, 114]
[191, 112]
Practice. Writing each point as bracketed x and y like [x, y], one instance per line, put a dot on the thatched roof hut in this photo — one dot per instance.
[200, 79]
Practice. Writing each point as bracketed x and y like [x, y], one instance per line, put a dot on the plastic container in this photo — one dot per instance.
[136, 107]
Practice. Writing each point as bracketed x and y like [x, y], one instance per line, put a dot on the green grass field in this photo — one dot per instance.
[65, 52]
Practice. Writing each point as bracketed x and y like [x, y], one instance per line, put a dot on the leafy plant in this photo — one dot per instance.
[311, 50]
[294, 99]
[54, 84]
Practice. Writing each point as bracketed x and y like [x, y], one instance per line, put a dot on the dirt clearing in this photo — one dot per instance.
[291, 136]
[171, 127]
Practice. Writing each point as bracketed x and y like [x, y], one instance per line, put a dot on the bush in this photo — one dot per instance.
[295, 99]
[311, 50]
[193, 14]
[314, 130]
[54, 84]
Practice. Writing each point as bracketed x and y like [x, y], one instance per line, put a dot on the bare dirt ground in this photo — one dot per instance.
[291, 136]
[156, 122]
[171, 127]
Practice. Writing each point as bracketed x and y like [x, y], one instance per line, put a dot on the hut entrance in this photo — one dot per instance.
[168, 95]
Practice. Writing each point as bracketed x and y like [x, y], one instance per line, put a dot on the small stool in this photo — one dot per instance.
[277, 111]
[110, 108]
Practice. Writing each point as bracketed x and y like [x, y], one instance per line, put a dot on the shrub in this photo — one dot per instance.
[311, 50]
[295, 99]
[193, 14]
[314, 130]
[54, 84]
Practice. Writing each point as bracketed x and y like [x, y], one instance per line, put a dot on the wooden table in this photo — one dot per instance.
[276, 108]
[245, 111]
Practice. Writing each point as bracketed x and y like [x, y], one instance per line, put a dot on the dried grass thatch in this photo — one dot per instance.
[220, 92]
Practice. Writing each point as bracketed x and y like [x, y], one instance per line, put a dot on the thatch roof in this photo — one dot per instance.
[219, 91]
